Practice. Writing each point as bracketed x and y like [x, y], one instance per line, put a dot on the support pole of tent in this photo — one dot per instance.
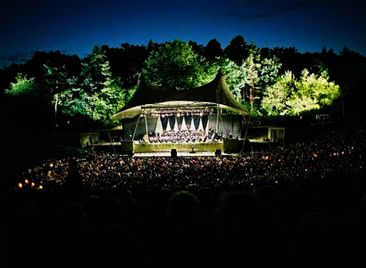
[246, 132]
[111, 141]
[146, 129]
[134, 132]
[217, 117]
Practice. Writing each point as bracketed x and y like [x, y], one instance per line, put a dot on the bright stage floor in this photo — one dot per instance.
[179, 154]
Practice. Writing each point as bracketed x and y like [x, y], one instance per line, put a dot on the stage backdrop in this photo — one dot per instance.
[225, 125]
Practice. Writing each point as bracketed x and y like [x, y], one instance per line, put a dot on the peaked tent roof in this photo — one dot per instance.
[148, 96]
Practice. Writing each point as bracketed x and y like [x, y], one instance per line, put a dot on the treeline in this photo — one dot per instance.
[56, 89]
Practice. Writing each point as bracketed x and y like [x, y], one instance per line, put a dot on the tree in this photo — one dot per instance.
[174, 66]
[290, 59]
[35, 66]
[269, 71]
[237, 50]
[289, 96]
[98, 95]
[197, 48]
[252, 79]
[268, 74]
[313, 92]
[27, 105]
[111, 97]
[213, 50]
[276, 96]
[235, 75]
[23, 86]
[126, 62]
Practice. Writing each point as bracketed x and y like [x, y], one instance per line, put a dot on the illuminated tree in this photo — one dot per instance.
[251, 68]
[23, 86]
[313, 92]
[111, 98]
[235, 75]
[174, 66]
[27, 103]
[268, 72]
[275, 96]
[291, 97]
[98, 95]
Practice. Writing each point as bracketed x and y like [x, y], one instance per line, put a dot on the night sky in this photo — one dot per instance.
[74, 27]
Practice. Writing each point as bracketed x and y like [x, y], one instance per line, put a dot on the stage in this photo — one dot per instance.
[147, 147]
[224, 147]
[179, 154]
[227, 146]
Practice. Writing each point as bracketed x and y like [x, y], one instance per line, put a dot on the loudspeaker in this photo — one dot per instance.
[173, 152]
[218, 152]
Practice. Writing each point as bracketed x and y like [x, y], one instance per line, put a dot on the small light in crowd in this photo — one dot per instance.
[20, 185]
[276, 182]
[342, 152]
[26, 181]
[306, 170]
[315, 154]
[40, 187]
[33, 184]
[251, 184]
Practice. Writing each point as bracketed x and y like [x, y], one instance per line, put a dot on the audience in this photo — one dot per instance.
[294, 203]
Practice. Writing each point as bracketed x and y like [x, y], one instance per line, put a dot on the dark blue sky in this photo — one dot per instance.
[76, 26]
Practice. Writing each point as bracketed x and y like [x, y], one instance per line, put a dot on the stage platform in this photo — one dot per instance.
[179, 154]
[146, 147]
[139, 148]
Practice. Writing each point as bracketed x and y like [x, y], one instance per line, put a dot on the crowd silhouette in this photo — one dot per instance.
[292, 204]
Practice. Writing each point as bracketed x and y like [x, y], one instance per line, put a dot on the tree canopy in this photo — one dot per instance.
[23, 86]
[289, 96]
[173, 66]
[274, 82]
